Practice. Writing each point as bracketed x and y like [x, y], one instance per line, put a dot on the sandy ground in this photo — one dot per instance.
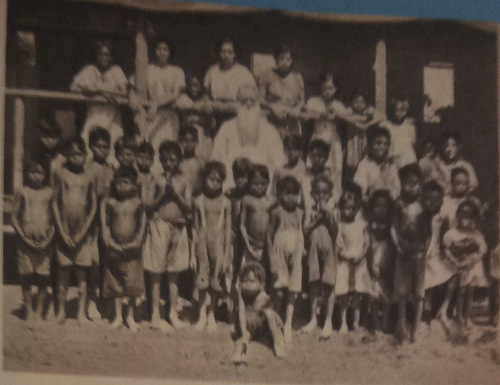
[357, 357]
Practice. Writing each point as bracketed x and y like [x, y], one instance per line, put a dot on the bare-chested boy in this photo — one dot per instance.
[75, 206]
[191, 165]
[212, 226]
[123, 224]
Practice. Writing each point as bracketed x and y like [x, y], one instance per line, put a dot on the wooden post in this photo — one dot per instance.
[141, 61]
[380, 68]
[18, 142]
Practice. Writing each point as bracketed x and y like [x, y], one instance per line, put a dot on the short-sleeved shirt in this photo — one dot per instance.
[224, 84]
[372, 176]
[287, 91]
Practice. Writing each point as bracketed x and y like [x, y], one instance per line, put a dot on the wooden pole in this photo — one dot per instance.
[18, 142]
[380, 68]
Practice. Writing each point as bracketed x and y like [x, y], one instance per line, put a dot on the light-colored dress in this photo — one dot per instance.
[224, 84]
[403, 139]
[372, 176]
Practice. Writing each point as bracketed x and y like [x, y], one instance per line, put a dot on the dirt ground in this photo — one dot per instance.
[356, 358]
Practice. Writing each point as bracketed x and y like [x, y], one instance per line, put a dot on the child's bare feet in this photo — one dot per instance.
[201, 323]
[313, 323]
[116, 323]
[30, 314]
[132, 324]
[61, 317]
[211, 324]
[327, 331]
[240, 350]
[162, 325]
[401, 334]
[287, 332]
[343, 329]
[92, 312]
[176, 322]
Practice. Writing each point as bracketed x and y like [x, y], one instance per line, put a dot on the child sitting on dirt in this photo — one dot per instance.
[256, 318]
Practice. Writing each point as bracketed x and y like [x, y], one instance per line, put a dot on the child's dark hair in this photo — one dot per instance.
[381, 194]
[216, 166]
[293, 141]
[281, 50]
[126, 172]
[450, 135]
[188, 129]
[241, 166]
[171, 146]
[410, 169]
[100, 44]
[259, 170]
[351, 191]
[468, 209]
[125, 143]
[76, 141]
[391, 108]
[256, 268]
[374, 132]
[319, 144]
[145, 148]
[48, 126]
[99, 133]
[288, 184]
[359, 92]
[163, 39]
[37, 160]
[321, 179]
[432, 186]
[458, 171]
[224, 40]
[327, 77]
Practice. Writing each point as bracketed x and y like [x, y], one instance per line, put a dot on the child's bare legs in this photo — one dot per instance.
[92, 312]
[329, 294]
[42, 295]
[202, 310]
[419, 306]
[375, 310]
[278, 298]
[211, 324]
[156, 322]
[342, 301]
[118, 320]
[450, 290]
[62, 292]
[82, 294]
[401, 332]
[314, 289]
[290, 307]
[130, 315]
[355, 304]
[275, 327]
[494, 305]
[467, 307]
[28, 301]
[173, 286]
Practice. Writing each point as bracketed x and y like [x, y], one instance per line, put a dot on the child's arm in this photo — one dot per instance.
[482, 249]
[141, 219]
[395, 239]
[18, 204]
[106, 233]
[273, 225]
[196, 229]
[243, 228]
[57, 215]
[366, 246]
[447, 241]
[183, 200]
[90, 218]
[228, 235]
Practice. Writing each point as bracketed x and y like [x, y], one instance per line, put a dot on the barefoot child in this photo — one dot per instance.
[411, 233]
[320, 229]
[254, 222]
[174, 210]
[75, 206]
[465, 247]
[33, 222]
[123, 223]
[286, 243]
[352, 243]
[381, 255]
[256, 317]
[212, 234]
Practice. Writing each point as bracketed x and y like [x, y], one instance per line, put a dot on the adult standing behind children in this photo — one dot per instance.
[248, 135]
[105, 79]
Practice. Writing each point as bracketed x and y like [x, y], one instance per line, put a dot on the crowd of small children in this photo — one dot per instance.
[353, 217]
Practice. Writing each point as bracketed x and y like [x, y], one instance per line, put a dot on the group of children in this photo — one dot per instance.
[353, 217]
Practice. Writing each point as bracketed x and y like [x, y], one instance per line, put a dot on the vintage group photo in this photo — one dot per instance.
[215, 193]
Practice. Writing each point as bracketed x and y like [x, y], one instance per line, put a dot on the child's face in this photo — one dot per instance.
[379, 148]
[144, 161]
[213, 182]
[284, 62]
[241, 181]
[400, 111]
[100, 150]
[292, 154]
[104, 57]
[318, 158]
[75, 157]
[432, 201]
[321, 193]
[169, 161]
[250, 285]
[328, 90]
[36, 176]
[227, 54]
[124, 187]
[162, 53]
[429, 149]
[289, 200]
[194, 88]
[349, 210]
[460, 184]
[466, 223]
[411, 187]
[450, 149]
[126, 157]
[380, 209]
[189, 143]
[358, 104]
[258, 186]
[50, 141]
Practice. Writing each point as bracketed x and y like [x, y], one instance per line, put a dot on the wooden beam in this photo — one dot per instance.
[18, 142]
[380, 68]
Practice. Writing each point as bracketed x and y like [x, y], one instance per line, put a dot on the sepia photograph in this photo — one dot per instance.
[214, 193]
